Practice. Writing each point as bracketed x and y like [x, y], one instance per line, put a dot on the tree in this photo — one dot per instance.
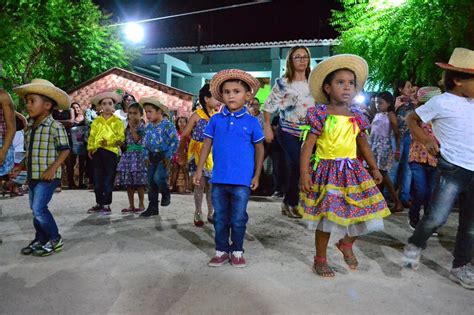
[66, 42]
[404, 39]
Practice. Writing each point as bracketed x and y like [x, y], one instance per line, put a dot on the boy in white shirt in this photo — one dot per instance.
[452, 117]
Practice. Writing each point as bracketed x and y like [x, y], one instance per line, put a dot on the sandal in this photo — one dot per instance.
[351, 261]
[198, 222]
[127, 210]
[397, 208]
[293, 213]
[321, 267]
[138, 210]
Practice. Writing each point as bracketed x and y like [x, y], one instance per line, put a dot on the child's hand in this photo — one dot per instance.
[305, 182]
[397, 155]
[166, 163]
[181, 160]
[49, 174]
[254, 183]
[89, 154]
[197, 178]
[147, 162]
[432, 147]
[103, 143]
[377, 176]
[119, 143]
[399, 102]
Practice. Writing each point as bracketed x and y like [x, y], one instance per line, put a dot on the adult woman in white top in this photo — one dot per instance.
[291, 97]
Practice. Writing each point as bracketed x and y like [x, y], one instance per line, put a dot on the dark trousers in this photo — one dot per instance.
[423, 179]
[157, 182]
[278, 166]
[291, 147]
[451, 181]
[105, 167]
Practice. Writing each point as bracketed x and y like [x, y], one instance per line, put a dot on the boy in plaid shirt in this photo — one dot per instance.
[47, 147]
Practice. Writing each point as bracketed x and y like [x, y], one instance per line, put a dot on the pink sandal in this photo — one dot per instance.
[321, 267]
[127, 210]
[351, 261]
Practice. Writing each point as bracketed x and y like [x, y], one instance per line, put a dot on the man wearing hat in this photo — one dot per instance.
[47, 147]
[452, 117]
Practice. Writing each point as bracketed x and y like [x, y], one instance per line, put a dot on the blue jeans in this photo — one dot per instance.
[230, 215]
[451, 181]
[400, 174]
[157, 182]
[423, 180]
[291, 145]
[40, 193]
[105, 168]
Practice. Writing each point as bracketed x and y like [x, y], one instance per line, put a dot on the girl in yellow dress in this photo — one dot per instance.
[337, 193]
[195, 130]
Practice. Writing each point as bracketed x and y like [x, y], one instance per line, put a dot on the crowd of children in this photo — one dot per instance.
[345, 162]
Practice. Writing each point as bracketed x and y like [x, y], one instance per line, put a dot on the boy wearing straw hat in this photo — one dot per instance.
[160, 142]
[47, 147]
[237, 149]
[452, 117]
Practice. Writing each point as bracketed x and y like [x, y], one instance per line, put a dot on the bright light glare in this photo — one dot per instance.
[359, 99]
[385, 4]
[134, 32]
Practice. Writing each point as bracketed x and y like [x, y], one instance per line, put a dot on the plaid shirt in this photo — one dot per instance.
[42, 146]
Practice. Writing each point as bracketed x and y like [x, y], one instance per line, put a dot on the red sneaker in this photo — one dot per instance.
[219, 259]
[237, 259]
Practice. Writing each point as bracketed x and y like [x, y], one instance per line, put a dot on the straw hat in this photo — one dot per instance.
[101, 96]
[462, 60]
[46, 88]
[154, 100]
[425, 93]
[325, 67]
[232, 74]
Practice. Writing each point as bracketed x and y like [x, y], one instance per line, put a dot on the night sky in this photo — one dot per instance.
[277, 20]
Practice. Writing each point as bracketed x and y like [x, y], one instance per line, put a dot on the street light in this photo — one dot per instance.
[134, 32]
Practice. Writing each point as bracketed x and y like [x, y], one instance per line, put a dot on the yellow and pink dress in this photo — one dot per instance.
[343, 196]
[196, 143]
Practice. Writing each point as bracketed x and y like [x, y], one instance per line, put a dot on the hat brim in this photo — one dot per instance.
[447, 66]
[102, 96]
[155, 102]
[232, 74]
[325, 67]
[62, 98]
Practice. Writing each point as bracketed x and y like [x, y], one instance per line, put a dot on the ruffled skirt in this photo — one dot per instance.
[343, 199]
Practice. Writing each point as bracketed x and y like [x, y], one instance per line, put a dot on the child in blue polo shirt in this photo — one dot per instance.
[236, 139]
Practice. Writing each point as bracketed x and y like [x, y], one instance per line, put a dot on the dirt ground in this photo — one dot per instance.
[129, 265]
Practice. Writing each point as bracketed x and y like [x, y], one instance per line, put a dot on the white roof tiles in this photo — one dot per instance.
[289, 43]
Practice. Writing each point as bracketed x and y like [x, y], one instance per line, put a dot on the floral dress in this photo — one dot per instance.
[380, 141]
[343, 196]
[131, 170]
[196, 142]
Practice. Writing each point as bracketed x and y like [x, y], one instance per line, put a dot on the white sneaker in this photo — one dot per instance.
[411, 257]
[464, 276]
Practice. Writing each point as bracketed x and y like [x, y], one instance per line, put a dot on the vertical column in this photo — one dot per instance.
[275, 56]
[165, 73]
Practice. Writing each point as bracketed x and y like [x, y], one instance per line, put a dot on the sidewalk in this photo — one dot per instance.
[128, 265]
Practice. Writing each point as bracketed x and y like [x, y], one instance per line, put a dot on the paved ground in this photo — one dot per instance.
[128, 265]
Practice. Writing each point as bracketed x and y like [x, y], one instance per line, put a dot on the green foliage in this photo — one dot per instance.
[405, 41]
[66, 42]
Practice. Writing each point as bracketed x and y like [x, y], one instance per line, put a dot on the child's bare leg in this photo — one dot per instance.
[345, 246]
[198, 194]
[130, 193]
[398, 207]
[321, 266]
[141, 197]
[210, 208]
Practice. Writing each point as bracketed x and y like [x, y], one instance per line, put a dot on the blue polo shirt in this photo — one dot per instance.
[233, 138]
